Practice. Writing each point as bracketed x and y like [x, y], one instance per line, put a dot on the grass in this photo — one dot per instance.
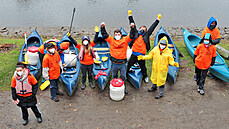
[9, 59]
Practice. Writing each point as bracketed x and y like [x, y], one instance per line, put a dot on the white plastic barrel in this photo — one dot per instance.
[117, 89]
[68, 58]
[32, 55]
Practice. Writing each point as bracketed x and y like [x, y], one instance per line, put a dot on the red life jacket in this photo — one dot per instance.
[82, 52]
[23, 87]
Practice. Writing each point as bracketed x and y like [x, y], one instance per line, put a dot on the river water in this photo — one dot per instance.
[50, 13]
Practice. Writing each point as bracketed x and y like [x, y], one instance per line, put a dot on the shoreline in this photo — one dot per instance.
[59, 31]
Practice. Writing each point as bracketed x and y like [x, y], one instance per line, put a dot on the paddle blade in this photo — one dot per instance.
[45, 84]
[104, 59]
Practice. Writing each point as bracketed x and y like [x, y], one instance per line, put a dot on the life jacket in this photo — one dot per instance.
[22, 84]
[82, 52]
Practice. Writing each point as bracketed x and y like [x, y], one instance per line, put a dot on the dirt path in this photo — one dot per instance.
[181, 107]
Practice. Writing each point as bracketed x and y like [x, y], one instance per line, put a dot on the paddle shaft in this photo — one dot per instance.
[179, 52]
[70, 61]
[25, 41]
[72, 20]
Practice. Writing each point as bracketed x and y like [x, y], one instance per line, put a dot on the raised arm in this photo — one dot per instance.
[153, 26]
[103, 31]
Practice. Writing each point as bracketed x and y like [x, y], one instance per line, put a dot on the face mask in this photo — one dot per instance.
[206, 42]
[52, 50]
[141, 32]
[117, 37]
[212, 27]
[85, 42]
[162, 46]
[20, 73]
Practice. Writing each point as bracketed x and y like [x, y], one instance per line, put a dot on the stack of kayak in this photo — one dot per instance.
[219, 69]
[172, 72]
[71, 72]
[102, 70]
[29, 53]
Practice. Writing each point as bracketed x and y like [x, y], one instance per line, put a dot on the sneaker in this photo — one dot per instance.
[92, 86]
[131, 70]
[202, 92]
[158, 97]
[152, 89]
[55, 99]
[39, 120]
[60, 93]
[83, 86]
[25, 122]
[146, 79]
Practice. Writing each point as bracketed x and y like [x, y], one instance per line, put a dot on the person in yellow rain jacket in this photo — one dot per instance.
[162, 57]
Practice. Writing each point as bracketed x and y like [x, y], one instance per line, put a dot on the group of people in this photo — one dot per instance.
[24, 85]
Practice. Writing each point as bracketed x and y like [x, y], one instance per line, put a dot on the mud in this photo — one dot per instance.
[181, 107]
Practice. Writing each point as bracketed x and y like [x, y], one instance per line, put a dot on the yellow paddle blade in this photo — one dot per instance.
[45, 84]
[104, 59]
[97, 62]
[26, 59]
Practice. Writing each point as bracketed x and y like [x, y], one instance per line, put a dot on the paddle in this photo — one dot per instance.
[180, 54]
[26, 59]
[72, 19]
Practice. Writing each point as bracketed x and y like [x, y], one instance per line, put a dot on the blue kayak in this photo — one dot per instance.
[172, 71]
[70, 76]
[219, 69]
[134, 78]
[103, 50]
[34, 39]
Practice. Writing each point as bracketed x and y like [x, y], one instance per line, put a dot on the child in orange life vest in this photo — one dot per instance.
[140, 45]
[86, 56]
[118, 50]
[204, 57]
[51, 70]
[24, 89]
[162, 58]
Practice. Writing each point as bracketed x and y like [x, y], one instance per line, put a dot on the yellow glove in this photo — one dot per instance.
[129, 12]
[96, 29]
[159, 16]
[68, 34]
[176, 64]
[140, 57]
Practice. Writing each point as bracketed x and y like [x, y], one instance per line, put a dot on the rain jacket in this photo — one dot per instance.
[160, 64]
[215, 34]
[51, 65]
[204, 56]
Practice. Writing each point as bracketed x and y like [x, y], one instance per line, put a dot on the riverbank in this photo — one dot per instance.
[181, 107]
[50, 32]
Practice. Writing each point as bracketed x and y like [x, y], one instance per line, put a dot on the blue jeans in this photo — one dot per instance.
[54, 88]
[121, 68]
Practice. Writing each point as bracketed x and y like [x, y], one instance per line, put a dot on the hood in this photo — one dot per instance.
[212, 19]
[164, 38]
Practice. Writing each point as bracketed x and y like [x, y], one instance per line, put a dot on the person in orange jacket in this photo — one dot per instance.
[118, 50]
[204, 57]
[213, 30]
[51, 70]
[24, 89]
[140, 44]
[86, 56]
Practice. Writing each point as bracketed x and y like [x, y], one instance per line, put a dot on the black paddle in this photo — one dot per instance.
[72, 19]
[180, 54]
